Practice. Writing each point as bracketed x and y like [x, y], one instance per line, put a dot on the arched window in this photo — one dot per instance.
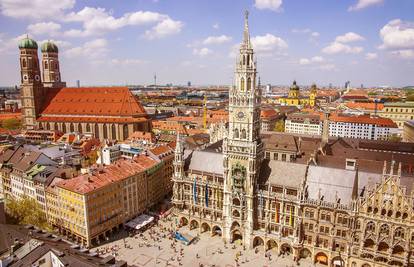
[96, 131]
[248, 60]
[88, 128]
[72, 127]
[242, 84]
[125, 131]
[236, 133]
[399, 233]
[113, 132]
[105, 131]
[64, 127]
[371, 227]
[79, 128]
[244, 60]
[243, 134]
[384, 230]
[46, 65]
[249, 84]
[24, 63]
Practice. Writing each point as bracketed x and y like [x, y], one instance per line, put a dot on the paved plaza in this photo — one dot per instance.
[155, 247]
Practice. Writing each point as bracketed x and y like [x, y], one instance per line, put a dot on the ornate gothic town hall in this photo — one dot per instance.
[336, 201]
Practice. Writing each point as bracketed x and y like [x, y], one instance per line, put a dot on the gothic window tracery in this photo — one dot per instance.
[242, 84]
[399, 232]
[236, 133]
[384, 230]
[370, 227]
[243, 134]
[249, 84]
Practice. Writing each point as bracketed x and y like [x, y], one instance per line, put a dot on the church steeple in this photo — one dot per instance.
[246, 34]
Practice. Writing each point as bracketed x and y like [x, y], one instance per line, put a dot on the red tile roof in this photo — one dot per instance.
[101, 101]
[115, 172]
[367, 106]
[363, 119]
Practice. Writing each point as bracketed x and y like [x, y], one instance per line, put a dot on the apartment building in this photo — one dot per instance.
[399, 112]
[342, 125]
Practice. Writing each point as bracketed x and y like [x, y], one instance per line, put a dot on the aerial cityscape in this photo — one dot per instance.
[207, 133]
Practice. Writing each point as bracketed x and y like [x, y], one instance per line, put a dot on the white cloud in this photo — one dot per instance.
[274, 5]
[48, 28]
[97, 21]
[349, 37]
[216, 26]
[361, 4]
[10, 45]
[371, 56]
[404, 54]
[315, 34]
[93, 49]
[336, 48]
[164, 28]
[217, 40]
[202, 52]
[304, 61]
[397, 34]
[268, 43]
[35, 9]
[315, 59]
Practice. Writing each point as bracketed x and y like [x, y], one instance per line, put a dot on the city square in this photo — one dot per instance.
[156, 247]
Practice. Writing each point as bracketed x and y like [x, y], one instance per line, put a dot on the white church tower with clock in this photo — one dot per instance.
[242, 147]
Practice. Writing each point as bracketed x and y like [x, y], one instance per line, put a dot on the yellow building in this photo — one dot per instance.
[90, 207]
[294, 97]
[399, 112]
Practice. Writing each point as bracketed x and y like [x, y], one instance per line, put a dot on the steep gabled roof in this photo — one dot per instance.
[99, 101]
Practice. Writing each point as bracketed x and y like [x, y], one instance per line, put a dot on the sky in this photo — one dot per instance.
[125, 42]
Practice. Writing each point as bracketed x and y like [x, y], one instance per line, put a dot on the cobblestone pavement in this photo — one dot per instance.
[155, 248]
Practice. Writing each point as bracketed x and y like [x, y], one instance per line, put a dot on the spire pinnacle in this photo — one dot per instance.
[246, 35]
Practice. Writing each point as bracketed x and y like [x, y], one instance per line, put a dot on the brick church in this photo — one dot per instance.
[106, 112]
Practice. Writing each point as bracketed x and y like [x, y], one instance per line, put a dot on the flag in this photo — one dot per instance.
[207, 194]
[195, 191]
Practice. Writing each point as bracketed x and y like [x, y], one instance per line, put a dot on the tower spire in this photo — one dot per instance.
[246, 35]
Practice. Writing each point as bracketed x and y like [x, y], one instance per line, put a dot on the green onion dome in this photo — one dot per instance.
[27, 43]
[49, 47]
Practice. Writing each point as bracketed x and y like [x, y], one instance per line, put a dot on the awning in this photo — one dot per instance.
[140, 221]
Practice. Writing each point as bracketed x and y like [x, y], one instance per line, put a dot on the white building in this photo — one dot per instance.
[302, 123]
[342, 125]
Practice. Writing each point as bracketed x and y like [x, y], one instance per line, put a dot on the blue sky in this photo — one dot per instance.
[104, 42]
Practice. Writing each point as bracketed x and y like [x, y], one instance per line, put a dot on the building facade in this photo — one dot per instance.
[342, 125]
[294, 97]
[106, 112]
[408, 131]
[399, 112]
[331, 202]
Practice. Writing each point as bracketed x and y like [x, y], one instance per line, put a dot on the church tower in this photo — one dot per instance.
[31, 84]
[242, 147]
[50, 65]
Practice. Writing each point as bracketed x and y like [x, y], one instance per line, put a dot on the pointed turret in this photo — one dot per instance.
[355, 186]
[246, 35]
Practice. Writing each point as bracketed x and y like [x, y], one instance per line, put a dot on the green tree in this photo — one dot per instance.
[27, 211]
[279, 126]
[12, 124]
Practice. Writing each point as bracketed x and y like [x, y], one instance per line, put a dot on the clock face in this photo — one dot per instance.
[37, 78]
[240, 115]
